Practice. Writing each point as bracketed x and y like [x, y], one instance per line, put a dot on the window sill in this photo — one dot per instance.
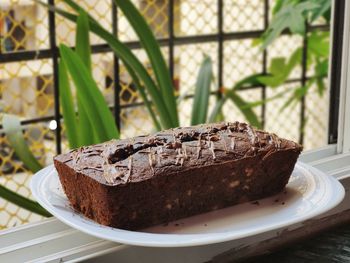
[53, 241]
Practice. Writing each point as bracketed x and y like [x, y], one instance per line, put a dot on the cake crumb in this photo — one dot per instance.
[176, 224]
[277, 200]
[249, 171]
[205, 225]
[283, 203]
[255, 203]
[233, 184]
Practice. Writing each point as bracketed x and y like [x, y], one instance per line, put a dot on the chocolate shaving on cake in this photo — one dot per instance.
[108, 150]
[214, 138]
[177, 156]
[277, 141]
[162, 154]
[185, 152]
[130, 169]
[67, 160]
[88, 154]
[233, 144]
[199, 144]
[151, 160]
[181, 161]
[110, 173]
[225, 145]
[252, 135]
[211, 148]
[120, 165]
[93, 168]
[181, 156]
[273, 139]
[241, 127]
[75, 157]
[89, 150]
[143, 151]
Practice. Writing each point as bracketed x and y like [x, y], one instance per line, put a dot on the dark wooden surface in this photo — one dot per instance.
[330, 246]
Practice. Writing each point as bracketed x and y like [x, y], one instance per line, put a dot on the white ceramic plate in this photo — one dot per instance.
[309, 193]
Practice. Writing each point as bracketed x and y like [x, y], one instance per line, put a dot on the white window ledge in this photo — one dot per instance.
[53, 241]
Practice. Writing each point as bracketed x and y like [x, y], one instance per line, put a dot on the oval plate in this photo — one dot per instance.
[309, 193]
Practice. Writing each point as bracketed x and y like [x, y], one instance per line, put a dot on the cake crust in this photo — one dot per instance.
[154, 179]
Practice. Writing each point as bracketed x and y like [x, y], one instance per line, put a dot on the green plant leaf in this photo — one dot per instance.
[91, 97]
[67, 104]
[241, 104]
[321, 70]
[297, 95]
[216, 114]
[83, 49]
[23, 202]
[245, 107]
[278, 5]
[144, 98]
[318, 44]
[202, 93]
[82, 40]
[262, 102]
[290, 16]
[280, 70]
[13, 130]
[324, 6]
[252, 80]
[127, 57]
[151, 46]
[327, 15]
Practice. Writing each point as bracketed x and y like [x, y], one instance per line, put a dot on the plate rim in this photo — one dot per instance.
[191, 239]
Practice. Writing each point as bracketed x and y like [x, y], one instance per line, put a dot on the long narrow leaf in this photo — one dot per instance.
[248, 113]
[262, 102]
[217, 111]
[79, 9]
[68, 111]
[91, 97]
[252, 80]
[145, 99]
[202, 93]
[151, 46]
[83, 49]
[128, 58]
[297, 95]
[13, 131]
[23, 202]
[82, 41]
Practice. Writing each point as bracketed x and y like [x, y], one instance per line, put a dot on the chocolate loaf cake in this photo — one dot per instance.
[154, 179]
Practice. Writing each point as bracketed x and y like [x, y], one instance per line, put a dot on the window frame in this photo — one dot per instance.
[344, 97]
